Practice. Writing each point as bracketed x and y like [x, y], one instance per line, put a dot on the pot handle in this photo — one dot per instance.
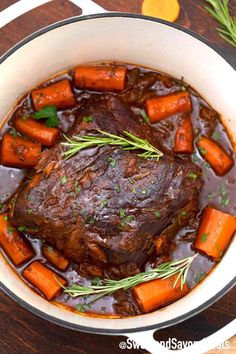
[147, 341]
[88, 7]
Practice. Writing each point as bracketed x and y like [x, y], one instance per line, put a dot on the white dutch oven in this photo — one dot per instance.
[138, 40]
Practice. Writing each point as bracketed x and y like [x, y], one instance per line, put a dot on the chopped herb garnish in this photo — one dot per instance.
[95, 281]
[104, 202]
[91, 220]
[144, 191]
[192, 175]
[224, 200]
[112, 162]
[10, 229]
[207, 165]
[144, 115]
[50, 249]
[1, 207]
[50, 114]
[122, 213]
[204, 237]
[211, 196]
[157, 214]
[183, 213]
[14, 132]
[76, 187]
[117, 189]
[216, 136]
[199, 277]
[63, 180]
[29, 211]
[5, 217]
[81, 307]
[202, 150]
[21, 228]
[125, 218]
[87, 119]
[131, 180]
[134, 190]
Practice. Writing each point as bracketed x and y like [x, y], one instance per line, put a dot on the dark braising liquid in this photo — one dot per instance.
[217, 191]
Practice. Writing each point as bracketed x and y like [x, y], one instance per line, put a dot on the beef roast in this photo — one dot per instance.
[105, 205]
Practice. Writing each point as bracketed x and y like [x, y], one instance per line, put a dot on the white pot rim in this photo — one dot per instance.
[78, 327]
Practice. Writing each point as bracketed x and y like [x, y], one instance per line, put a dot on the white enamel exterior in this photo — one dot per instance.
[130, 40]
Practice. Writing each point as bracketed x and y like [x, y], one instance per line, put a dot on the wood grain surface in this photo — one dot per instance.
[22, 332]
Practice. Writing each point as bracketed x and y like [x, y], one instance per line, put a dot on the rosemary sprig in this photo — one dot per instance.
[219, 9]
[109, 286]
[132, 142]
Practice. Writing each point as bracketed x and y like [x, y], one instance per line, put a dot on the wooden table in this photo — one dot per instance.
[21, 331]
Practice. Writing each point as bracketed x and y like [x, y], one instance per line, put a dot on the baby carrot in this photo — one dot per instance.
[19, 152]
[59, 94]
[44, 279]
[55, 257]
[162, 107]
[158, 292]
[103, 77]
[14, 244]
[215, 155]
[37, 131]
[184, 137]
[214, 233]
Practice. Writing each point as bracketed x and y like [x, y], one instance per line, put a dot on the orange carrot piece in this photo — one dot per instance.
[159, 292]
[184, 137]
[59, 94]
[214, 233]
[215, 155]
[162, 107]
[14, 244]
[105, 77]
[55, 257]
[19, 152]
[44, 279]
[37, 131]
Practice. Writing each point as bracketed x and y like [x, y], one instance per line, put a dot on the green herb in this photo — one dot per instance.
[199, 277]
[112, 162]
[192, 175]
[144, 115]
[144, 191]
[224, 200]
[91, 220]
[125, 218]
[211, 196]
[132, 142]
[10, 229]
[81, 307]
[21, 228]
[216, 135]
[76, 187]
[183, 213]
[122, 213]
[204, 237]
[1, 207]
[63, 180]
[117, 189]
[95, 281]
[50, 249]
[207, 165]
[202, 150]
[5, 217]
[134, 190]
[104, 203]
[87, 119]
[29, 211]
[157, 214]
[131, 180]
[219, 9]
[14, 132]
[166, 270]
[50, 113]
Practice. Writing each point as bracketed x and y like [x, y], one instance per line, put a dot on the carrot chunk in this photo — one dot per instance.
[162, 107]
[19, 152]
[214, 233]
[159, 292]
[184, 137]
[14, 244]
[44, 279]
[55, 257]
[59, 94]
[37, 131]
[105, 77]
[214, 154]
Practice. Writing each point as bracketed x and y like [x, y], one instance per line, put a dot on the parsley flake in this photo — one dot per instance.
[63, 180]
[50, 114]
